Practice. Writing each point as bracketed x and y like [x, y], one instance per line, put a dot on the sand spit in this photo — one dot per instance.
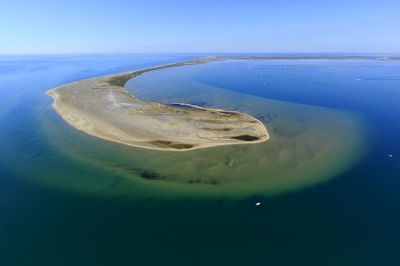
[102, 107]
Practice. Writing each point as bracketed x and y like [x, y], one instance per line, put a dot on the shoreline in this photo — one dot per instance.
[102, 107]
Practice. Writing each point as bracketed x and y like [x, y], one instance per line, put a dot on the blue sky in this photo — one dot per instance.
[208, 26]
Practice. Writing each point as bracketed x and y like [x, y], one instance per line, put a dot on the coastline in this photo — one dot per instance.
[102, 107]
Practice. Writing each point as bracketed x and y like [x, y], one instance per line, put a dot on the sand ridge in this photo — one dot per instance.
[102, 107]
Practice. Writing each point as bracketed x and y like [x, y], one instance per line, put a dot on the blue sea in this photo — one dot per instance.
[327, 181]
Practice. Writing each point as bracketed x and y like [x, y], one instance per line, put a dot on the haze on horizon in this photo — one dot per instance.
[177, 26]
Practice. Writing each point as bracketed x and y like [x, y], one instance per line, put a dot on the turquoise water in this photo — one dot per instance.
[68, 198]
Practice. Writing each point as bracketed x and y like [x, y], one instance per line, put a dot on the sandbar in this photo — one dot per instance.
[103, 108]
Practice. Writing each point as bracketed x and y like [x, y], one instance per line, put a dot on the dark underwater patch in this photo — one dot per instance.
[154, 176]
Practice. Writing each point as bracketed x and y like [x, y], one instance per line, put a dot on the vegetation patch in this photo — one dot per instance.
[180, 146]
[245, 137]
[121, 80]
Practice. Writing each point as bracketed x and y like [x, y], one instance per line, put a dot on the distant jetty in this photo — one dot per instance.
[102, 107]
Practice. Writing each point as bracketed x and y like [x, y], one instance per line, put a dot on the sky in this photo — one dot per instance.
[194, 26]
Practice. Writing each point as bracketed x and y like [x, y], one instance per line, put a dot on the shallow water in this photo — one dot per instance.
[327, 184]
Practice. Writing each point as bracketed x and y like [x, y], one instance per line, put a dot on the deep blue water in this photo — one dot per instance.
[351, 220]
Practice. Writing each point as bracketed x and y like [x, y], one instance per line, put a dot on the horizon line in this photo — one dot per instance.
[200, 53]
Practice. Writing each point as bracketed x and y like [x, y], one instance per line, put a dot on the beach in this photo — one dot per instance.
[101, 107]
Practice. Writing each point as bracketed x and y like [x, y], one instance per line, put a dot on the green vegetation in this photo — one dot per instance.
[245, 137]
[180, 146]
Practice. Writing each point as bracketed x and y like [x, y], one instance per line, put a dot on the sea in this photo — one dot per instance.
[323, 190]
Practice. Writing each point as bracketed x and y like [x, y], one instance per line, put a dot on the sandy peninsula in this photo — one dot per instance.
[102, 107]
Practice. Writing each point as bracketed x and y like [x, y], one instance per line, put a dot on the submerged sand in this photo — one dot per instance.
[102, 107]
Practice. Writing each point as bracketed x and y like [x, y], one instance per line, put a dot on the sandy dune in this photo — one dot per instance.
[103, 108]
